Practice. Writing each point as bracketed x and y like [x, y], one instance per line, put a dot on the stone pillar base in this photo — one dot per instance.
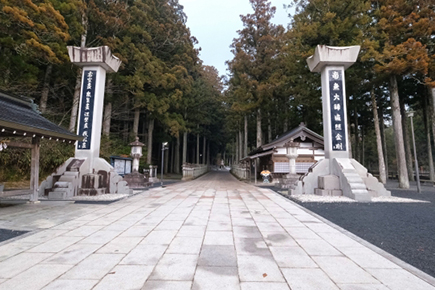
[340, 176]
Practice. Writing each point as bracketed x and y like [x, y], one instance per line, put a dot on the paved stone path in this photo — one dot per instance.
[211, 233]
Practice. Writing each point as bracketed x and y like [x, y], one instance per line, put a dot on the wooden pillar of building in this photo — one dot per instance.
[34, 171]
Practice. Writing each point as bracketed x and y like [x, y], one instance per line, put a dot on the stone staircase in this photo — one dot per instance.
[351, 183]
[65, 186]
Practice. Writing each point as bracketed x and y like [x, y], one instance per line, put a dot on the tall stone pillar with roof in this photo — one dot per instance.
[87, 173]
[337, 174]
[96, 62]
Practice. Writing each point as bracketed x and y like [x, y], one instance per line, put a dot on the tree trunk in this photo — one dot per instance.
[107, 119]
[166, 153]
[245, 147]
[406, 138]
[384, 146]
[177, 156]
[150, 141]
[171, 164]
[192, 156]
[357, 151]
[259, 132]
[76, 100]
[204, 148]
[126, 122]
[237, 148]
[136, 122]
[197, 146]
[428, 139]
[398, 134]
[76, 96]
[45, 89]
[85, 23]
[241, 144]
[362, 147]
[269, 129]
[285, 126]
[432, 102]
[381, 162]
[208, 153]
[184, 147]
[234, 154]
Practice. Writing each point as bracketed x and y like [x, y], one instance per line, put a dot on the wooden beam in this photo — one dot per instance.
[20, 145]
[34, 170]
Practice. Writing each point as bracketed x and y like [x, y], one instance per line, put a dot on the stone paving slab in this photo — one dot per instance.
[211, 233]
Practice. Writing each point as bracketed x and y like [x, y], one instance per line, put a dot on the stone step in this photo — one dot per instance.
[71, 173]
[92, 191]
[57, 194]
[328, 192]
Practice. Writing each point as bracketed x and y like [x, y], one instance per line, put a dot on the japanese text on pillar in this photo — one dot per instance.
[337, 110]
[87, 109]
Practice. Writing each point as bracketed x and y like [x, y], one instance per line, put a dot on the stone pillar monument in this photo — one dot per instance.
[95, 62]
[331, 62]
[87, 173]
[337, 172]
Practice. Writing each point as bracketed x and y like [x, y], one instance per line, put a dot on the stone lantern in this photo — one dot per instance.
[136, 180]
[292, 154]
[136, 153]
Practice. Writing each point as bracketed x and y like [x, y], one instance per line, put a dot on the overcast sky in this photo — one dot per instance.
[215, 23]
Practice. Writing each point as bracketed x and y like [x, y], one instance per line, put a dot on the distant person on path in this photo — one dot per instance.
[222, 164]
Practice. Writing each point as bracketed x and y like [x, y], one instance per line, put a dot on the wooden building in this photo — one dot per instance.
[273, 156]
[21, 120]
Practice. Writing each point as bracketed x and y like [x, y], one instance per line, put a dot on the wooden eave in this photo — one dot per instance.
[7, 129]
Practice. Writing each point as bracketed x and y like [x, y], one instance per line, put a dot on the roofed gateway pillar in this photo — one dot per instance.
[337, 174]
[331, 62]
[96, 62]
[86, 173]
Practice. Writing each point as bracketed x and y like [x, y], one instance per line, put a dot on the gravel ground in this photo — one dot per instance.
[405, 230]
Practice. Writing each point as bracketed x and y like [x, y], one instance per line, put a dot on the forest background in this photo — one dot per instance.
[163, 92]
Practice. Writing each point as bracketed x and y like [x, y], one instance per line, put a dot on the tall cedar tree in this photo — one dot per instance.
[32, 33]
[398, 54]
[255, 57]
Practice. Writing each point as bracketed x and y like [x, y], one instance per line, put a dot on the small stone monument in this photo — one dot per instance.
[337, 174]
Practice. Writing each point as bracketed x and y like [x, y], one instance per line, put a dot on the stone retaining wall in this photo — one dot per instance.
[192, 171]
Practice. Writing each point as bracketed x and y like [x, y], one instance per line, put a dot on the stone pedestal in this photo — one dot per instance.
[329, 185]
[137, 180]
[92, 184]
[153, 174]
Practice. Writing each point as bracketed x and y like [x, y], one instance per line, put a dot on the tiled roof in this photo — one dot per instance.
[20, 114]
[293, 134]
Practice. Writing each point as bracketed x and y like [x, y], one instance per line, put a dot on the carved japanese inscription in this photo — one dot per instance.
[337, 110]
[87, 109]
